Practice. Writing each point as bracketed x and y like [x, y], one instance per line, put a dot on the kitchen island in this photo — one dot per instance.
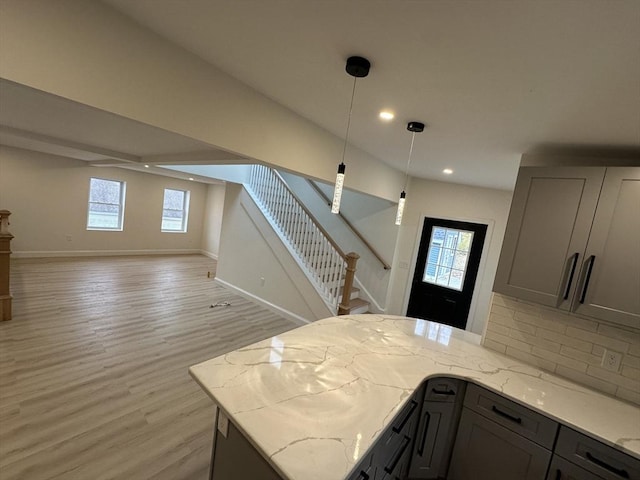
[314, 400]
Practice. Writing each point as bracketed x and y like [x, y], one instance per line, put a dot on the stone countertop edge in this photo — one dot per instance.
[313, 400]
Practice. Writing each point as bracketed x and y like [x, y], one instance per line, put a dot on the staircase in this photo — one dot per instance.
[328, 268]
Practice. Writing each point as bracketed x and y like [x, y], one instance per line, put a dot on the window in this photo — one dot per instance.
[447, 257]
[106, 204]
[175, 210]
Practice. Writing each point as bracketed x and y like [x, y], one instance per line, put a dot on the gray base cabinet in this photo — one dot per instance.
[454, 430]
[498, 439]
[485, 450]
[391, 455]
[562, 469]
[587, 454]
[437, 429]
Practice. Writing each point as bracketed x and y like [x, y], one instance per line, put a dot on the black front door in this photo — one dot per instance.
[446, 270]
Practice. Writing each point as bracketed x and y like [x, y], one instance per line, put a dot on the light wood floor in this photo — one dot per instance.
[93, 366]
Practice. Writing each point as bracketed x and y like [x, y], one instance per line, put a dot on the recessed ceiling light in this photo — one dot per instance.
[386, 115]
[146, 166]
[447, 171]
[191, 178]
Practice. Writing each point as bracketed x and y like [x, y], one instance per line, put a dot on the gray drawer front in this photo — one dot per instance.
[562, 469]
[590, 454]
[444, 390]
[511, 415]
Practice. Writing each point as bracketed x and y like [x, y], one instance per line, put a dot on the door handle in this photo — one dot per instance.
[574, 263]
[425, 430]
[496, 410]
[398, 428]
[592, 260]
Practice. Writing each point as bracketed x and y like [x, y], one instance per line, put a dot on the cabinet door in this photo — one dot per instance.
[609, 286]
[547, 231]
[433, 443]
[485, 450]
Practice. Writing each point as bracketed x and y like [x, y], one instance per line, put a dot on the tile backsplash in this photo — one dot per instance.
[568, 345]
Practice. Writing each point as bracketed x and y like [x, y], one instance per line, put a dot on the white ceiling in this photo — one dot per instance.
[492, 79]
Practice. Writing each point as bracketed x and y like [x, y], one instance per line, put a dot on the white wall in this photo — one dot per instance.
[212, 228]
[427, 198]
[250, 251]
[48, 198]
[89, 53]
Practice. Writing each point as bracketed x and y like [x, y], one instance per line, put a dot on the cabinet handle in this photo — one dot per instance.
[443, 392]
[574, 263]
[394, 463]
[495, 409]
[592, 260]
[423, 440]
[616, 471]
[398, 428]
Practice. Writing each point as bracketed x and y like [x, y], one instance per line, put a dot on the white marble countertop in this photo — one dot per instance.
[314, 399]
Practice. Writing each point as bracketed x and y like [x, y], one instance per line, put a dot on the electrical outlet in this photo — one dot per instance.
[262, 281]
[611, 360]
[68, 238]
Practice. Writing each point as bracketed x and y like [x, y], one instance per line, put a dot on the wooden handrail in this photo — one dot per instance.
[5, 251]
[353, 229]
[313, 218]
[343, 308]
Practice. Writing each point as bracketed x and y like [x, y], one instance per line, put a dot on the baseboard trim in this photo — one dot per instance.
[103, 253]
[214, 256]
[274, 308]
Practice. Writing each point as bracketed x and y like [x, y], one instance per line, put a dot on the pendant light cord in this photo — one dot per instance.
[406, 173]
[346, 137]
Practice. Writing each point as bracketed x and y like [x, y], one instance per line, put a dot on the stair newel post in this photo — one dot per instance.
[352, 258]
[5, 251]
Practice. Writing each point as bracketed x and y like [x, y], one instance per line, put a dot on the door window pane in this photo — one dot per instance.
[106, 204]
[447, 257]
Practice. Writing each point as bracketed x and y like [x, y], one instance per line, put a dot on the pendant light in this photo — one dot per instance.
[413, 127]
[357, 67]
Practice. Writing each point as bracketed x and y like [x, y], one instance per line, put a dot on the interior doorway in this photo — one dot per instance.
[446, 270]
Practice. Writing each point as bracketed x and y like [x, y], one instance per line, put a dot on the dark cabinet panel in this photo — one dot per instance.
[437, 428]
[562, 469]
[485, 450]
[591, 455]
[521, 420]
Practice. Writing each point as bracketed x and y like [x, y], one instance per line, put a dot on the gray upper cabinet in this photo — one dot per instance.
[609, 282]
[573, 241]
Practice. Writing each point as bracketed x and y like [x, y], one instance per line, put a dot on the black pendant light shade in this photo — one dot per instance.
[413, 127]
[357, 67]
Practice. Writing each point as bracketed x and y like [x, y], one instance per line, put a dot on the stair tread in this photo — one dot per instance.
[357, 302]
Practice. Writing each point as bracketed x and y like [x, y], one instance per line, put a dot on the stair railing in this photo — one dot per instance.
[325, 263]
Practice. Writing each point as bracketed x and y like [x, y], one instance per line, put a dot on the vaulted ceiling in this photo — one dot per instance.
[492, 79]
